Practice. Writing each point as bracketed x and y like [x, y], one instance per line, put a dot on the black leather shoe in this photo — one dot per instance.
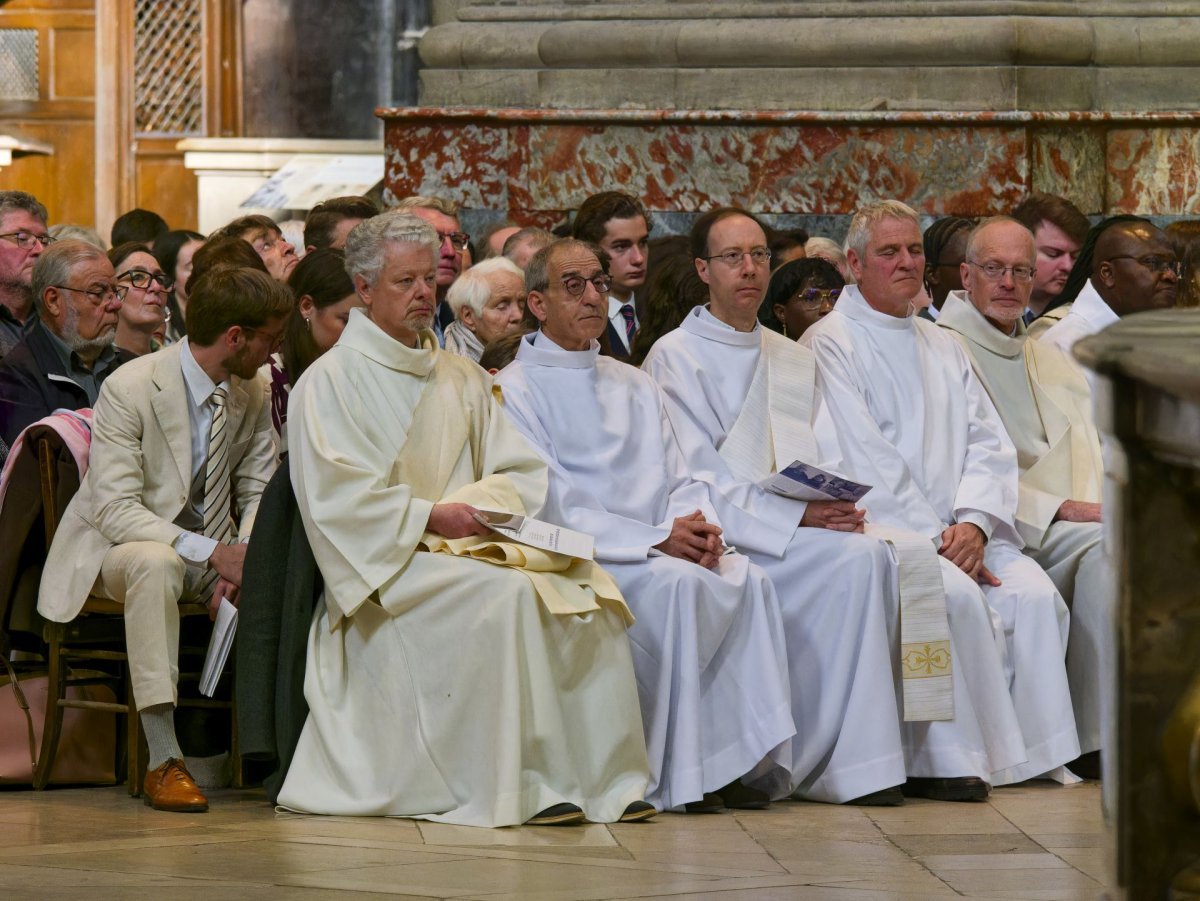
[710, 803]
[737, 796]
[962, 788]
[885, 797]
[558, 815]
[637, 812]
[1087, 766]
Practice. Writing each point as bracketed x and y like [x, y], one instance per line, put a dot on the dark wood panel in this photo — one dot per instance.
[165, 186]
[64, 182]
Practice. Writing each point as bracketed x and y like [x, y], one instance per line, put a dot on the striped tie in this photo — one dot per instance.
[217, 524]
[630, 328]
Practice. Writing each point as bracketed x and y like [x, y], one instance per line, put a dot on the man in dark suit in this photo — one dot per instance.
[69, 351]
[617, 223]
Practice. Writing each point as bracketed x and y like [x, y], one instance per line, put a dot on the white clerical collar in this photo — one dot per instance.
[962, 316]
[538, 349]
[1092, 307]
[702, 323]
[853, 305]
[363, 335]
[200, 387]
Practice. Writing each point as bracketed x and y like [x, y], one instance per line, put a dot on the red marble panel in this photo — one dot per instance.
[1154, 170]
[464, 161]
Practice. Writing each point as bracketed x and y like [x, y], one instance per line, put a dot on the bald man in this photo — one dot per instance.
[1134, 268]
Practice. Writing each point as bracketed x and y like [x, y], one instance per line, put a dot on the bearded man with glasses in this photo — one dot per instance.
[23, 237]
[1045, 405]
[69, 351]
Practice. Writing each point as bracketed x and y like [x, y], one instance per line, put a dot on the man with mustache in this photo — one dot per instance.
[1133, 268]
[1045, 405]
[911, 419]
[69, 350]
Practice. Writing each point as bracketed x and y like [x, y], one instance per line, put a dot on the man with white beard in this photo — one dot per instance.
[909, 418]
[709, 643]
[1044, 402]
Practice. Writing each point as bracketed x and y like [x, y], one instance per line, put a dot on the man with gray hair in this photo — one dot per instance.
[68, 352]
[453, 242]
[489, 303]
[910, 419]
[23, 237]
[452, 675]
[1045, 404]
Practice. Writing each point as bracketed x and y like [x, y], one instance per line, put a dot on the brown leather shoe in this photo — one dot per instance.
[171, 787]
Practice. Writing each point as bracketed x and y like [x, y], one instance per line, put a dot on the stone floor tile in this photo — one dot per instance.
[943, 844]
[1043, 861]
[982, 883]
[520, 836]
[753, 864]
[1095, 862]
[1098, 839]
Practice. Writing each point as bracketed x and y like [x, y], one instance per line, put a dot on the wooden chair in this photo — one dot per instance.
[96, 639]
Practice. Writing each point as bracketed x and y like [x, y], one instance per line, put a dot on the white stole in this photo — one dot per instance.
[779, 405]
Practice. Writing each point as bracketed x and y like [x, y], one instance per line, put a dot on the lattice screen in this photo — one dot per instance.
[18, 64]
[168, 87]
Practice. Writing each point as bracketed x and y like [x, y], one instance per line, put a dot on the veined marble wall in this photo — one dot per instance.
[805, 166]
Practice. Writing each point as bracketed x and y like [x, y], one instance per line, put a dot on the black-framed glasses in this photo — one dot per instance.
[459, 240]
[577, 284]
[993, 272]
[141, 278]
[1156, 264]
[760, 256]
[814, 298]
[26, 240]
[96, 295]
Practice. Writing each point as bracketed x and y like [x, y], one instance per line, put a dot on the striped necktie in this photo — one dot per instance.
[217, 524]
[630, 327]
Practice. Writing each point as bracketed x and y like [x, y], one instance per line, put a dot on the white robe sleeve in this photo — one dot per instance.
[856, 447]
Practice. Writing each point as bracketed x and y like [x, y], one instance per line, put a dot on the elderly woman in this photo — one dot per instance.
[142, 319]
[174, 252]
[489, 303]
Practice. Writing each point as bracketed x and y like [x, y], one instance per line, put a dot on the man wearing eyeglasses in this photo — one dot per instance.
[68, 352]
[23, 237]
[1133, 268]
[442, 214]
[708, 643]
[911, 419]
[1045, 405]
[261, 233]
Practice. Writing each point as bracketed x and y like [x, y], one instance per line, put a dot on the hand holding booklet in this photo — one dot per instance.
[224, 628]
[536, 533]
[804, 482]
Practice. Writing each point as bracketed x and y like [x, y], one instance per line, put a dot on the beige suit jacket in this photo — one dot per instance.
[140, 472]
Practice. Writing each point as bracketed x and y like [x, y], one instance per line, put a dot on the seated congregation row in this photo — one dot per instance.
[919, 644]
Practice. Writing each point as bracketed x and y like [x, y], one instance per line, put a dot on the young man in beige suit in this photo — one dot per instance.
[173, 440]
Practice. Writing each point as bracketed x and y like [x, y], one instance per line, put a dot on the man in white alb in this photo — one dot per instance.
[450, 676]
[910, 418]
[741, 400]
[708, 644]
[1046, 407]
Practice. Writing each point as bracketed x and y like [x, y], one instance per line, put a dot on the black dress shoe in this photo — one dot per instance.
[710, 803]
[962, 788]
[558, 815]
[637, 812]
[885, 797]
[737, 796]
[1087, 766]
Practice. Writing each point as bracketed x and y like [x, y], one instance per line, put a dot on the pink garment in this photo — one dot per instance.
[75, 429]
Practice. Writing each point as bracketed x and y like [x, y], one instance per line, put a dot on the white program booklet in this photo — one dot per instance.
[805, 482]
[536, 533]
[219, 645]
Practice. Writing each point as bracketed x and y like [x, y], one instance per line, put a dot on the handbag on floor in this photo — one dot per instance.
[87, 745]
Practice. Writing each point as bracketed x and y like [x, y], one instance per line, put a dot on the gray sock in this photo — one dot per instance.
[158, 722]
